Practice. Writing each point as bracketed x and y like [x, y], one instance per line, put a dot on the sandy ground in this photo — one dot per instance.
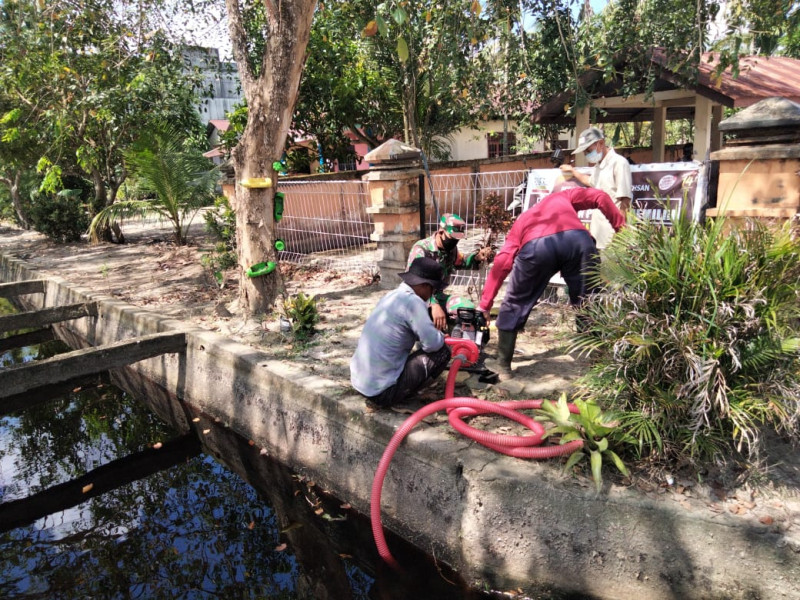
[150, 272]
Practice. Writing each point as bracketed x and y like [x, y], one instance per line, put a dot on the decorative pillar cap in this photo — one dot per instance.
[392, 154]
[770, 112]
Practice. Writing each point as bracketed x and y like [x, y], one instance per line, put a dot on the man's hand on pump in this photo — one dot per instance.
[439, 317]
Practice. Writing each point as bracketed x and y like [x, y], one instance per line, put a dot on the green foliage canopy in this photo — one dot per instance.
[80, 82]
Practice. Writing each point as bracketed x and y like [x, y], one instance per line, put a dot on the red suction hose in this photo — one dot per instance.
[521, 446]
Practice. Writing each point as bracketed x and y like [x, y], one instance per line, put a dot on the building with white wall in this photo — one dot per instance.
[221, 87]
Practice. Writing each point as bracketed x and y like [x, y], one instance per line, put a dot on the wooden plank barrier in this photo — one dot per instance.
[22, 378]
[20, 288]
[47, 316]
[37, 336]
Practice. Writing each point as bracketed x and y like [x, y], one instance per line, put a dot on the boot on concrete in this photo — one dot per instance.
[506, 341]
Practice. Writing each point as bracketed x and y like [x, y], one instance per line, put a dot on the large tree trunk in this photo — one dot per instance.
[271, 98]
[100, 202]
[16, 200]
[254, 213]
[100, 190]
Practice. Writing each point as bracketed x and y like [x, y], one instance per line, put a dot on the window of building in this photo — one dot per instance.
[495, 141]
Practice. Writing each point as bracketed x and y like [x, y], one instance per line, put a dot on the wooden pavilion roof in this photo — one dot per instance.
[759, 77]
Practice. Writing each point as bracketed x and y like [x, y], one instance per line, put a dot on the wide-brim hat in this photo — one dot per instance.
[587, 138]
[425, 270]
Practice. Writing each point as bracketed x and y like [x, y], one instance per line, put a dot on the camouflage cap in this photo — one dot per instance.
[453, 224]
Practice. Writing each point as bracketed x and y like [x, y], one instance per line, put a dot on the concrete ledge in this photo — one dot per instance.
[766, 152]
[507, 522]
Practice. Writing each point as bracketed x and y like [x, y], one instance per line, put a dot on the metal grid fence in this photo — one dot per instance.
[460, 194]
[325, 224]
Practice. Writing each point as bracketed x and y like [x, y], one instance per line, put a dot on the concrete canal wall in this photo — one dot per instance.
[505, 522]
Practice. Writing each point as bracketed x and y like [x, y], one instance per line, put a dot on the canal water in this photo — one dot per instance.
[102, 498]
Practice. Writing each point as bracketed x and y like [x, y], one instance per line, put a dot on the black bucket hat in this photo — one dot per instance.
[425, 270]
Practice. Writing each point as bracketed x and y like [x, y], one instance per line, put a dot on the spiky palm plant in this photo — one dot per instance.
[175, 183]
[697, 335]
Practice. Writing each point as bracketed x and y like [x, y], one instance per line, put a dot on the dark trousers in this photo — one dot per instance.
[571, 252]
[421, 370]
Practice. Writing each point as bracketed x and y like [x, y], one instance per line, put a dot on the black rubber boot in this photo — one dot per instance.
[506, 342]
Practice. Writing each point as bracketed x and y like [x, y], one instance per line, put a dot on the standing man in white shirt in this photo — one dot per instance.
[611, 174]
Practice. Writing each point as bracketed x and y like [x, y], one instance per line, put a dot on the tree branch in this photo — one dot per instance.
[23, 99]
[273, 13]
[239, 45]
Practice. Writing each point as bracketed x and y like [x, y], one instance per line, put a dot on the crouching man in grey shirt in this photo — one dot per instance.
[383, 368]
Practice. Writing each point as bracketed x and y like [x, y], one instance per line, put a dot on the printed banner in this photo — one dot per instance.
[659, 189]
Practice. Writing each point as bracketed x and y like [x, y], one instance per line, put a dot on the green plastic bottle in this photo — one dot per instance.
[260, 269]
[278, 208]
[280, 245]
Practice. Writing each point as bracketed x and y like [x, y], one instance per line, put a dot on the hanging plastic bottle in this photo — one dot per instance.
[278, 206]
[261, 269]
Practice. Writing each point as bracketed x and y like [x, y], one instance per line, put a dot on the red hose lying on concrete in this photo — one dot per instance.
[521, 446]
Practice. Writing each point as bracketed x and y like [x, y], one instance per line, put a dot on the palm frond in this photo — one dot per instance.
[121, 210]
[180, 180]
[692, 320]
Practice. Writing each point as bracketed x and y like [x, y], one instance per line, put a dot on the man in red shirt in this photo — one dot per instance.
[545, 239]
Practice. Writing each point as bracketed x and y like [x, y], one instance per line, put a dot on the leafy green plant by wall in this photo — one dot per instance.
[60, 216]
[303, 312]
[590, 424]
[697, 336]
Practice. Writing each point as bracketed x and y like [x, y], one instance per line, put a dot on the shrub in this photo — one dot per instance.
[7, 212]
[492, 216]
[697, 336]
[61, 216]
[221, 222]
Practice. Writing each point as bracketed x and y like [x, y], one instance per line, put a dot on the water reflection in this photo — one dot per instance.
[103, 498]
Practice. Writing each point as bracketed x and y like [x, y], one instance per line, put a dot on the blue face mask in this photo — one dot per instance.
[594, 156]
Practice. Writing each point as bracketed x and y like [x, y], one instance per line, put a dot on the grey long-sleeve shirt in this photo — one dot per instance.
[399, 321]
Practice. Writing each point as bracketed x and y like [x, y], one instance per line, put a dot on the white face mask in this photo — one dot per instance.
[594, 156]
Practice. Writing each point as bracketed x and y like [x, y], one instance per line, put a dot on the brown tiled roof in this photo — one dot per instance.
[214, 153]
[220, 124]
[759, 77]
